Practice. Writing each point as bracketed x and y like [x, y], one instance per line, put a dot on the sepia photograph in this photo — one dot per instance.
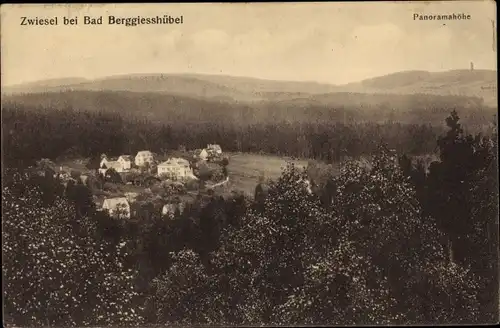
[249, 164]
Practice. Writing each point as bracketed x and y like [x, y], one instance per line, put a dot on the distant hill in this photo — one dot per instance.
[41, 86]
[477, 83]
[407, 97]
[223, 88]
[268, 87]
[154, 83]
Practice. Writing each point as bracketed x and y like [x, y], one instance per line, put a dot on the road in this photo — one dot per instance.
[219, 183]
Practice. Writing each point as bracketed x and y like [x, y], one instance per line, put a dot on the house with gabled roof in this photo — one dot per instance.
[120, 164]
[175, 168]
[201, 154]
[117, 207]
[172, 208]
[125, 161]
[143, 157]
[214, 148]
[214, 151]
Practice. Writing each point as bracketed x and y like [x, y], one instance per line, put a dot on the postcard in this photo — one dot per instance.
[250, 164]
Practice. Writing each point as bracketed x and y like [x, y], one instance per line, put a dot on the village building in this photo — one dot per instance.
[125, 161]
[175, 168]
[120, 165]
[213, 152]
[214, 149]
[201, 154]
[104, 160]
[110, 165]
[171, 209]
[117, 207]
[143, 157]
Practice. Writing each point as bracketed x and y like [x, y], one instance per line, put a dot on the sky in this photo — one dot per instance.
[333, 43]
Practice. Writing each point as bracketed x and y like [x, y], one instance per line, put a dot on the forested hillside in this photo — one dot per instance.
[33, 134]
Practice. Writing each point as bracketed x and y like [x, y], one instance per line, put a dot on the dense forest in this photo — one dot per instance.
[326, 127]
[29, 135]
[385, 241]
[345, 107]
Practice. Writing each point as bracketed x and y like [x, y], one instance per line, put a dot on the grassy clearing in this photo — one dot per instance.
[246, 169]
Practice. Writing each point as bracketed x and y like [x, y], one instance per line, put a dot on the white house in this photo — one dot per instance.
[143, 157]
[117, 207]
[117, 166]
[175, 168]
[171, 208]
[213, 151]
[125, 161]
[214, 148]
[201, 154]
[122, 164]
[104, 160]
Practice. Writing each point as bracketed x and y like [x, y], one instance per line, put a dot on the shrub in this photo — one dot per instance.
[55, 272]
[108, 186]
[112, 176]
[192, 185]
[373, 258]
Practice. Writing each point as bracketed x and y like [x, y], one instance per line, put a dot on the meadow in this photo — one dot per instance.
[245, 170]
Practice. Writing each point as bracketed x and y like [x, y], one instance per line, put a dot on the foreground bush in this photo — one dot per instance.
[54, 271]
[372, 259]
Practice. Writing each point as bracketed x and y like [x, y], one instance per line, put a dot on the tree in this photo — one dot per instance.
[204, 172]
[93, 163]
[381, 212]
[370, 258]
[183, 295]
[112, 176]
[224, 164]
[462, 191]
[55, 272]
[146, 168]
[218, 175]
[260, 194]
[47, 166]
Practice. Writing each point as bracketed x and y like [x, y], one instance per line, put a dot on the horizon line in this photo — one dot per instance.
[104, 77]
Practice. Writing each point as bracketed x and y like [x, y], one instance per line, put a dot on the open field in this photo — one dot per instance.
[246, 169]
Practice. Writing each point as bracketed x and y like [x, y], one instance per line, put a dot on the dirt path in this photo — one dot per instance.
[219, 183]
